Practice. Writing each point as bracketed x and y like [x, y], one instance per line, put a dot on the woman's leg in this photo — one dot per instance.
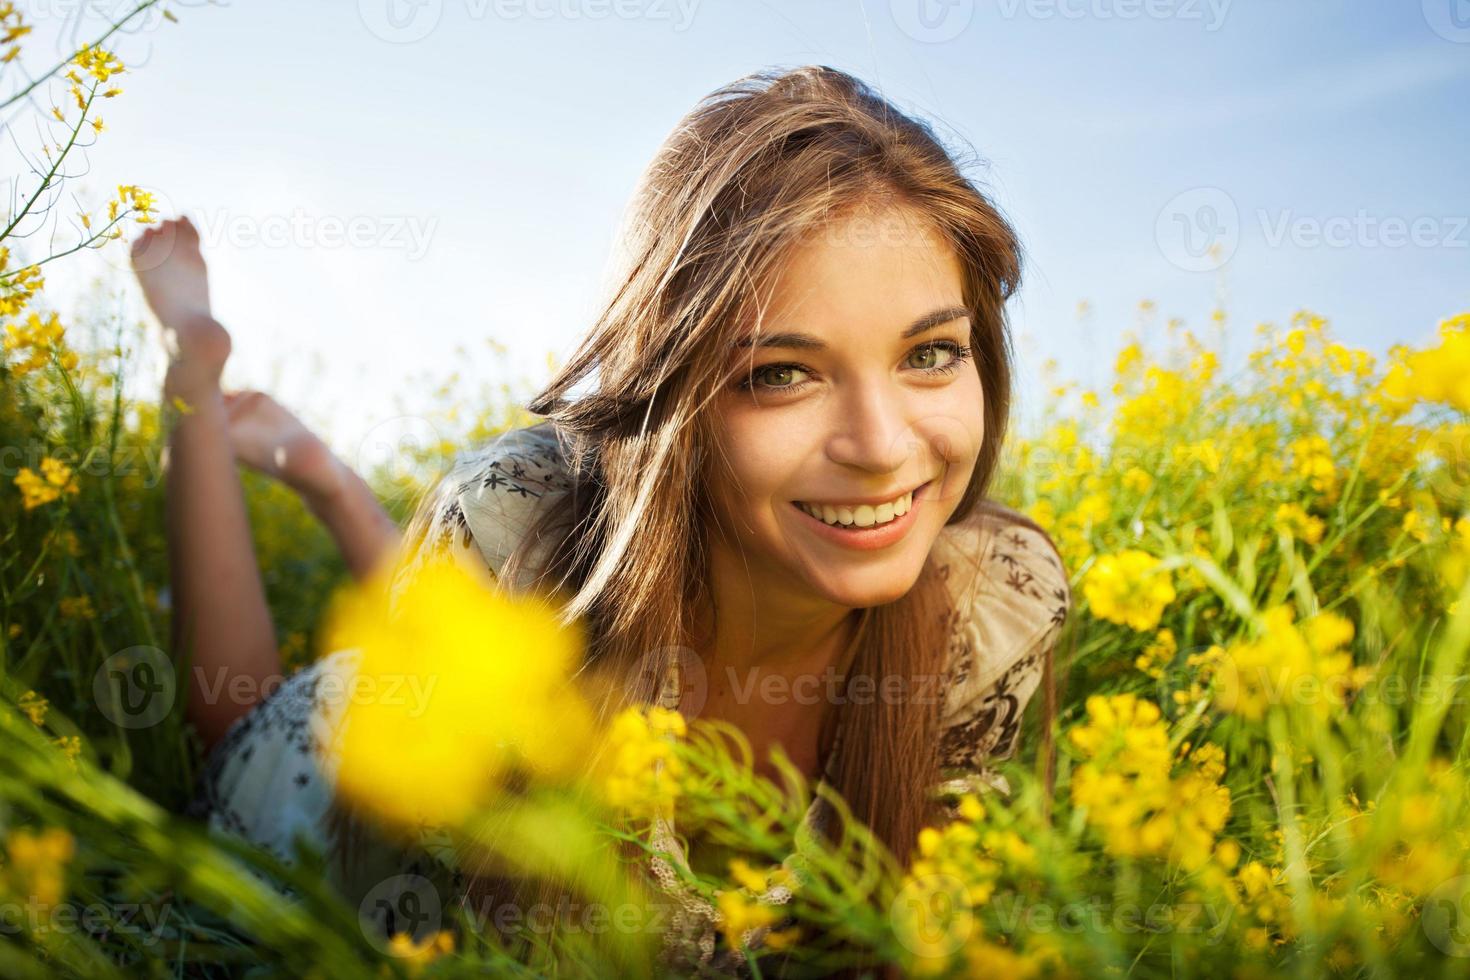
[220, 613]
[220, 619]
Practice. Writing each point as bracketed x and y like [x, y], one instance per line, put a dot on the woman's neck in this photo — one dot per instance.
[764, 626]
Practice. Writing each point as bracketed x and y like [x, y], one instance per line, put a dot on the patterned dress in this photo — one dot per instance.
[269, 781]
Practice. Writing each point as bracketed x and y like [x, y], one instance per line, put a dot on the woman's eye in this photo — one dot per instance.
[778, 375]
[929, 355]
[793, 377]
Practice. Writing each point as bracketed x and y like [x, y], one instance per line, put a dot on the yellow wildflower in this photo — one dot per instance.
[38, 862]
[746, 876]
[417, 955]
[645, 769]
[139, 201]
[1415, 526]
[77, 607]
[1127, 588]
[1439, 374]
[71, 747]
[1312, 459]
[1290, 664]
[1093, 509]
[37, 338]
[16, 288]
[40, 489]
[1294, 520]
[1127, 790]
[1137, 479]
[474, 702]
[101, 64]
[1043, 513]
[740, 914]
[34, 706]
[782, 939]
[1157, 654]
[986, 958]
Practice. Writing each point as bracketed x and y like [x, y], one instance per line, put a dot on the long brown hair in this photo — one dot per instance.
[754, 169]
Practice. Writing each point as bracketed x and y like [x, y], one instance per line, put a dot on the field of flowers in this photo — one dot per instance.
[1262, 723]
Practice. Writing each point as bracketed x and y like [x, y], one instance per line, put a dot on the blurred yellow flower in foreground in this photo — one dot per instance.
[457, 683]
[740, 914]
[643, 776]
[99, 62]
[37, 864]
[1293, 519]
[1439, 374]
[416, 955]
[1127, 588]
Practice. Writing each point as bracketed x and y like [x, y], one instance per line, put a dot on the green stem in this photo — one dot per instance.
[45, 76]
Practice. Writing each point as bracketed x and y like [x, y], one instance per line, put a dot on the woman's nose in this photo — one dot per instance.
[872, 430]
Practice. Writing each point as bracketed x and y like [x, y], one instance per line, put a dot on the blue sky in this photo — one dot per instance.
[482, 152]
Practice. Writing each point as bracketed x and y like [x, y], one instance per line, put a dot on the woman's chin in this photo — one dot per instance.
[861, 588]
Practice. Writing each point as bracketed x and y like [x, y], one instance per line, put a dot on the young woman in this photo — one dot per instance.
[777, 481]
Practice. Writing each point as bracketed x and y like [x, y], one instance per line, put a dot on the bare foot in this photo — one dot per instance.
[265, 436]
[170, 268]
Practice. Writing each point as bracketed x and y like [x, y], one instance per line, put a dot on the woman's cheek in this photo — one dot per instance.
[952, 438]
[758, 453]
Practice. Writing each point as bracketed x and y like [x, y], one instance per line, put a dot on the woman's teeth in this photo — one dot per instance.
[863, 515]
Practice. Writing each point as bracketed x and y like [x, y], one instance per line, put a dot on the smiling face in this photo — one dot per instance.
[861, 388]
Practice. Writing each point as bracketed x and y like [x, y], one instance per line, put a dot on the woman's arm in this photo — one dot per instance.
[268, 438]
[350, 511]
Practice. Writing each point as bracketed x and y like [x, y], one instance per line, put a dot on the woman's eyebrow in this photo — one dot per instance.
[805, 341]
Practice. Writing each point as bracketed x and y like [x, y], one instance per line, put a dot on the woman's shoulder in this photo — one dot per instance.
[1011, 599]
[999, 557]
[491, 493]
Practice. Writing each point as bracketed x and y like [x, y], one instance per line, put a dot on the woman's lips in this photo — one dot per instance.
[866, 538]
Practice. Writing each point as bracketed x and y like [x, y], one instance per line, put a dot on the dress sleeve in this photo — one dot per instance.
[484, 505]
[1012, 600]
